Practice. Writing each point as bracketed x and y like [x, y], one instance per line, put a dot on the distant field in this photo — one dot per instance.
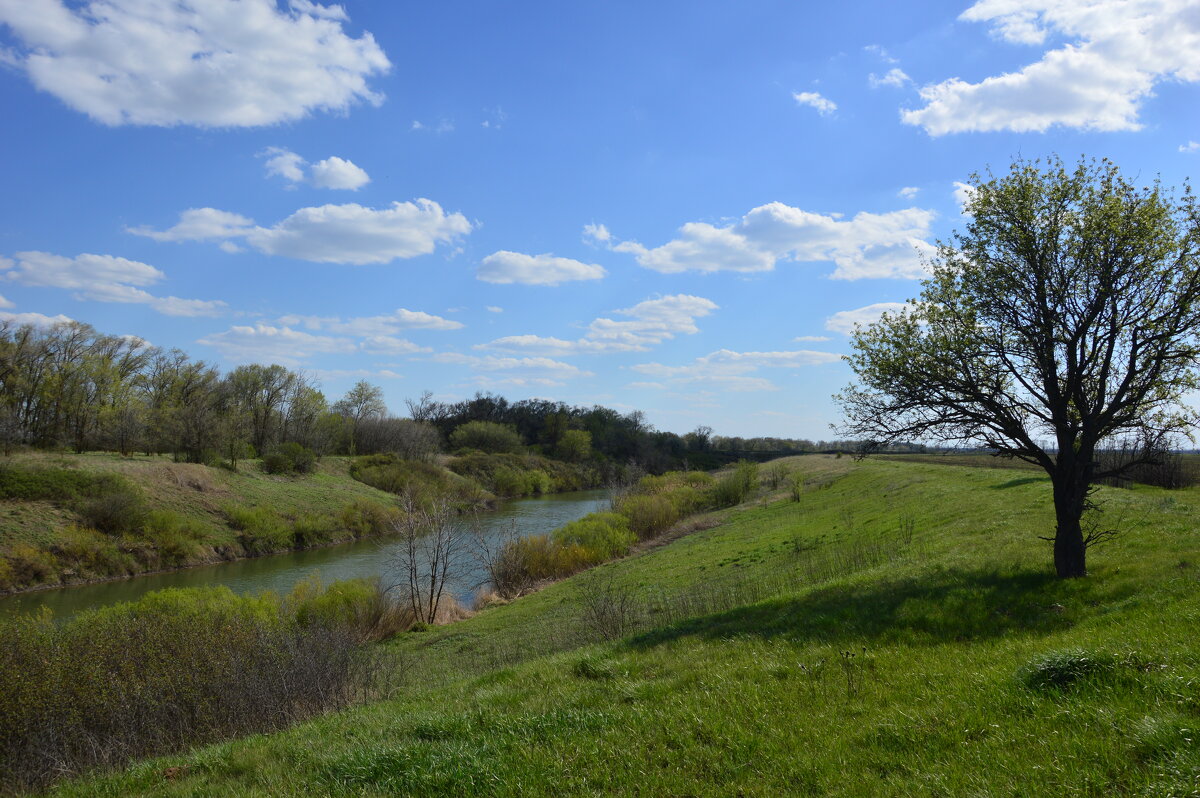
[897, 631]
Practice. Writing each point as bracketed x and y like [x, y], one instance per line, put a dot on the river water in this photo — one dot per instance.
[280, 572]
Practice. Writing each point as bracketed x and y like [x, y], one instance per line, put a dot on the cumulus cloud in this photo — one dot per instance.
[894, 77]
[908, 192]
[391, 345]
[341, 374]
[517, 371]
[265, 343]
[33, 319]
[5, 302]
[962, 195]
[347, 233]
[494, 309]
[731, 371]
[385, 324]
[813, 99]
[807, 338]
[647, 324]
[846, 320]
[332, 172]
[1115, 52]
[209, 63]
[102, 278]
[1191, 146]
[514, 267]
[868, 245]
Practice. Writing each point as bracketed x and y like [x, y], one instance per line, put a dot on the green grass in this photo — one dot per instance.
[895, 632]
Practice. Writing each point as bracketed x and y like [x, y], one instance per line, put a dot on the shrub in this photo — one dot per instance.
[88, 553]
[262, 530]
[424, 482]
[289, 458]
[121, 510]
[364, 517]
[736, 486]
[175, 538]
[648, 515]
[603, 535]
[174, 669]
[486, 436]
[29, 565]
[313, 530]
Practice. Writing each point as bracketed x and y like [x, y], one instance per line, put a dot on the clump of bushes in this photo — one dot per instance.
[363, 518]
[649, 514]
[105, 502]
[523, 475]
[486, 436]
[425, 483]
[262, 529]
[289, 458]
[736, 486]
[174, 669]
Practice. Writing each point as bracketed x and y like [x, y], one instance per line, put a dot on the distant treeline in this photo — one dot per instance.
[69, 386]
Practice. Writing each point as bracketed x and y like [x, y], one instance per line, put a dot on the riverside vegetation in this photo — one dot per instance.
[874, 628]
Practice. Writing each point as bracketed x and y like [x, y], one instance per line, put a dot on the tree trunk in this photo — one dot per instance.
[1070, 553]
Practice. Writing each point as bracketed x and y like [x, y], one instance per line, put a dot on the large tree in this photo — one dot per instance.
[1062, 321]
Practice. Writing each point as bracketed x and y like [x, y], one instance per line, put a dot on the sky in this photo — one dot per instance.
[676, 207]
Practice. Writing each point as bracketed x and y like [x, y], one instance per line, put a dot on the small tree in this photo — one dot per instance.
[486, 436]
[435, 551]
[1063, 320]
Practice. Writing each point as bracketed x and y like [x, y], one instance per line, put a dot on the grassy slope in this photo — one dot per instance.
[885, 666]
[195, 491]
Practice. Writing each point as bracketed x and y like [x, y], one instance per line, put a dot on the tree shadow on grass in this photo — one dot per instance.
[943, 606]
[1014, 483]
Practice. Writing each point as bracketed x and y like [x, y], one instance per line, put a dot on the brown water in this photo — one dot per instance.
[280, 572]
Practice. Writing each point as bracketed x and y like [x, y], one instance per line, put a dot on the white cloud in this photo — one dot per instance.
[811, 338]
[335, 172]
[210, 63]
[264, 343]
[895, 77]
[517, 370]
[391, 345]
[1116, 52]
[731, 370]
[199, 224]
[846, 320]
[494, 309]
[962, 195]
[386, 324]
[596, 234]
[33, 319]
[869, 245]
[348, 233]
[908, 192]
[1191, 146]
[824, 106]
[5, 302]
[514, 267]
[650, 323]
[102, 278]
[340, 374]
[284, 163]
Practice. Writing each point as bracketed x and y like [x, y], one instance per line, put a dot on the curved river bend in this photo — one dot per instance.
[280, 572]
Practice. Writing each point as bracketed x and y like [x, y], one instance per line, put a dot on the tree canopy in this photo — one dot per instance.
[1061, 321]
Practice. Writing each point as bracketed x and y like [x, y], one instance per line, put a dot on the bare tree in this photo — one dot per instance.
[435, 553]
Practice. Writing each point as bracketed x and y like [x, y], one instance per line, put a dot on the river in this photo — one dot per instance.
[279, 572]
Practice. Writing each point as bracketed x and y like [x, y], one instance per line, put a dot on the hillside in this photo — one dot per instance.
[183, 514]
[895, 631]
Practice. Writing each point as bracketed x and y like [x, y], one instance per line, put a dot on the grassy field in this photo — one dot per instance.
[895, 632]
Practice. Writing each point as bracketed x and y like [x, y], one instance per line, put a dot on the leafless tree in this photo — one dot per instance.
[434, 554]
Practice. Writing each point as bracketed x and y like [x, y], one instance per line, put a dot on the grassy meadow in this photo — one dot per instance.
[894, 631]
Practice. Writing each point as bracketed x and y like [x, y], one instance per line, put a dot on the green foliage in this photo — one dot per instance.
[120, 510]
[289, 458]
[1061, 670]
[486, 436]
[523, 475]
[262, 530]
[363, 518]
[736, 486]
[649, 515]
[603, 535]
[574, 446]
[177, 539]
[55, 484]
[424, 482]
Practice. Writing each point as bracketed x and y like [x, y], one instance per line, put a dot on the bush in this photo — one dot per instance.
[363, 518]
[87, 553]
[424, 482]
[736, 486]
[56, 484]
[648, 515]
[486, 436]
[113, 513]
[175, 669]
[262, 529]
[289, 458]
[602, 535]
[313, 530]
[175, 538]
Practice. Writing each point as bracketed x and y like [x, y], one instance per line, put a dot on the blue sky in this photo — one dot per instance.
[674, 207]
